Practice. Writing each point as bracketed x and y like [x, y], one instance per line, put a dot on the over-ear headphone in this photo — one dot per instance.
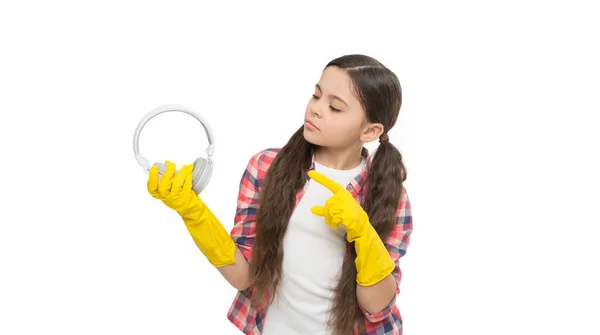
[203, 167]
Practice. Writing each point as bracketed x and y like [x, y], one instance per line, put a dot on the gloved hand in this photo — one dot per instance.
[175, 191]
[373, 262]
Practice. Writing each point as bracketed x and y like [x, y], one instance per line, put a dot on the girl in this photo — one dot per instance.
[319, 227]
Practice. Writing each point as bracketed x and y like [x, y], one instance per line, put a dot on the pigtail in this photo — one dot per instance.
[285, 177]
[384, 187]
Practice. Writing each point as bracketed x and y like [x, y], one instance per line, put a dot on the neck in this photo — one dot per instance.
[339, 158]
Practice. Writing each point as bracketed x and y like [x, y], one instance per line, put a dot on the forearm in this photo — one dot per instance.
[238, 273]
[376, 297]
[376, 285]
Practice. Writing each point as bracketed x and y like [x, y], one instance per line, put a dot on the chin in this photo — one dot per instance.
[309, 137]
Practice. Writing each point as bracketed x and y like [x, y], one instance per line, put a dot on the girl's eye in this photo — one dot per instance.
[332, 108]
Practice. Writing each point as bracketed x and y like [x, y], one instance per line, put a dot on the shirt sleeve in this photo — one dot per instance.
[396, 243]
[243, 232]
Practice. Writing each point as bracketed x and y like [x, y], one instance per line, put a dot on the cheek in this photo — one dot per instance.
[346, 125]
[342, 132]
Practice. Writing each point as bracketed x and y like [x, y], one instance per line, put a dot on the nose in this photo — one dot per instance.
[314, 110]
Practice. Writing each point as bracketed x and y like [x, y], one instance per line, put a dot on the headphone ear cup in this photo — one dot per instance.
[162, 168]
[202, 173]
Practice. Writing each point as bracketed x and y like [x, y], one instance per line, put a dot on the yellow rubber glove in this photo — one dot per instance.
[175, 191]
[373, 262]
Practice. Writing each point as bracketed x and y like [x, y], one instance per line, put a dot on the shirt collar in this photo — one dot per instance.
[358, 182]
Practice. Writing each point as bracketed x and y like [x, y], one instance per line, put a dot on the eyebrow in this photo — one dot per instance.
[332, 95]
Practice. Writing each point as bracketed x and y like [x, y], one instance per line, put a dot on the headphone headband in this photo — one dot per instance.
[170, 108]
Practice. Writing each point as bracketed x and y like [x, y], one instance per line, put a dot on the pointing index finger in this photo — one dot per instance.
[325, 181]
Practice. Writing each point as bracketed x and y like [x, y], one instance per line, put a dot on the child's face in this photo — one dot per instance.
[340, 120]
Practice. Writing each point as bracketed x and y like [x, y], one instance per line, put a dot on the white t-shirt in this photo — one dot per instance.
[312, 262]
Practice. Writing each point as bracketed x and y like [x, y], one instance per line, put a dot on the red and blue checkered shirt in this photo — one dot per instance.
[248, 319]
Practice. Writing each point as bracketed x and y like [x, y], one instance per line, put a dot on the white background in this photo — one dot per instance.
[497, 129]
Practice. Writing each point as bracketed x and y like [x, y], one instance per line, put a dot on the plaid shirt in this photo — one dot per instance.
[249, 320]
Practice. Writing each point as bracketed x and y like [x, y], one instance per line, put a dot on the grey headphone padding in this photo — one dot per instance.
[201, 175]
[162, 168]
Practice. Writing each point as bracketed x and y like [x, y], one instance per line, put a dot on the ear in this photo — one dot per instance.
[371, 132]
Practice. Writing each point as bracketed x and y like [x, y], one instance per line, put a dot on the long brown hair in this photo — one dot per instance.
[380, 94]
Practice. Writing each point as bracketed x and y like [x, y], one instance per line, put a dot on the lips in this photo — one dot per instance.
[311, 123]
